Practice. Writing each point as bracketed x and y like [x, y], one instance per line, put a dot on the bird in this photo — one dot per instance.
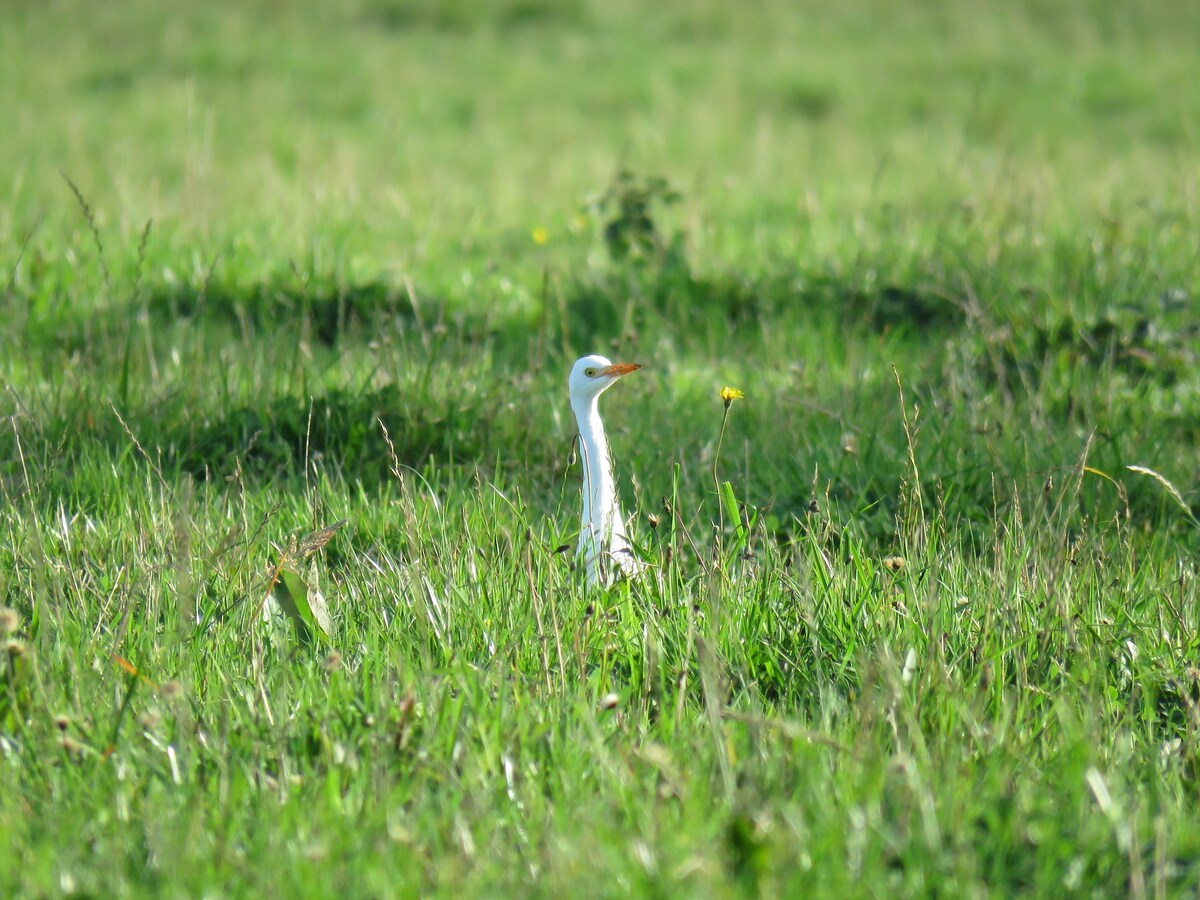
[602, 542]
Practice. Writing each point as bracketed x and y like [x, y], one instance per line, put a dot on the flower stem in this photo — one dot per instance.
[717, 459]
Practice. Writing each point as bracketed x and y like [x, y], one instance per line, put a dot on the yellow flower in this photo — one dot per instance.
[729, 394]
[540, 235]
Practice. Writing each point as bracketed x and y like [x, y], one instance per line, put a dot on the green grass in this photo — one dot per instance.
[269, 266]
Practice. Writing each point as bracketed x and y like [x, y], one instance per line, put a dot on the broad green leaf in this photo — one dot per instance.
[729, 501]
[300, 603]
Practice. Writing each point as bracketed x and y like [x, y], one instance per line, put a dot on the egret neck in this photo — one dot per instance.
[602, 540]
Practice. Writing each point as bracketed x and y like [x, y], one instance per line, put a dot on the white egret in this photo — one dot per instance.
[602, 541]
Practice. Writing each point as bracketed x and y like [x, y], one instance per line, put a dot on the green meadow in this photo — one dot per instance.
[924, 615]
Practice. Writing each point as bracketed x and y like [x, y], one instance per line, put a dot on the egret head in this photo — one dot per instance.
[592, 375]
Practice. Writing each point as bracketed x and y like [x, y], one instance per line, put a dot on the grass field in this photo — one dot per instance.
[266, 266]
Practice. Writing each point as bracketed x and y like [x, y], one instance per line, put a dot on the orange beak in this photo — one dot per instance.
[616, 370]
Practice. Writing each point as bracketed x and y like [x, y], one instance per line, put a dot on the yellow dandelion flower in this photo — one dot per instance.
[729, 394]
[540, 235]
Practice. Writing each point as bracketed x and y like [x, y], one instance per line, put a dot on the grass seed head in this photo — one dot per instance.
[10, 621]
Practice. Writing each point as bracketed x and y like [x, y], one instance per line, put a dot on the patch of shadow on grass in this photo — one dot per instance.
[1140, 347]
[115, 80]
[278, 437]
[326, 315]
[331, 310]
[467, 16]
[809, 101]
[896, 305]
[614, 305]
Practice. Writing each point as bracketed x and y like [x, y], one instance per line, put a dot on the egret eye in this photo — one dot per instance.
[590, 373]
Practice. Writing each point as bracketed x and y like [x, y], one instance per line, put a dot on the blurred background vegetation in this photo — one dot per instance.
[998, 198]
[948, 250]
